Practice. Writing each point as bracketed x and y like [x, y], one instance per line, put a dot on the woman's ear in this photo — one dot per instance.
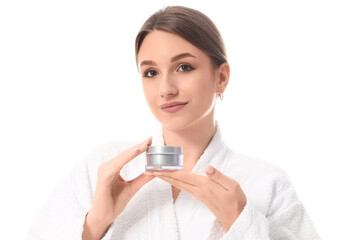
[223, 76]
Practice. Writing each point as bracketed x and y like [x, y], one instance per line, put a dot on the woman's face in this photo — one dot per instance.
[179, 80]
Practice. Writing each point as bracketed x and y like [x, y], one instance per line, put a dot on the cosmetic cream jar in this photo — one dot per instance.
[164, 158]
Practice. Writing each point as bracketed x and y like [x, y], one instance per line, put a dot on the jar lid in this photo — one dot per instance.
[164, 150]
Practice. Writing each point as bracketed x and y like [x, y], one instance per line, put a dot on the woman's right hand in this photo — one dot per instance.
[112, 192]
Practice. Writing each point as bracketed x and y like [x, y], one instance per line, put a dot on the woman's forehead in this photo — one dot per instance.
[164, 45]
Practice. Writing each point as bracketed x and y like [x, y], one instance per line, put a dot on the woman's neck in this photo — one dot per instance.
[193, 139]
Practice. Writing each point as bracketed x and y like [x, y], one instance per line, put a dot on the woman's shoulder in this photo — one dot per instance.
[102, 153]
[251, 167]
[107, 150]
[262, 181]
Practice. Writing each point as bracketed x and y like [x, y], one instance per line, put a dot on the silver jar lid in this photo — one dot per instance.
[164, 150]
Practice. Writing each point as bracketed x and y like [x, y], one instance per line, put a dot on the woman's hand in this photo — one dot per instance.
[112, 192]
[221, 194]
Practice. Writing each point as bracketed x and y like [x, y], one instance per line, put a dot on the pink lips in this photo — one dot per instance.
[172, 107]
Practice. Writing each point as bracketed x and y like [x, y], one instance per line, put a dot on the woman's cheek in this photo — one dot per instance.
[149, 92]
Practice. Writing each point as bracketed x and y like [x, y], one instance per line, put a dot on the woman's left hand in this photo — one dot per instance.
[221, 194]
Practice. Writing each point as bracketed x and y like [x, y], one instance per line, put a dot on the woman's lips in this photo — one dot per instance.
[173, 106]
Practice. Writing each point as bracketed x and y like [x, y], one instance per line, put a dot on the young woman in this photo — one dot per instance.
[220, 194]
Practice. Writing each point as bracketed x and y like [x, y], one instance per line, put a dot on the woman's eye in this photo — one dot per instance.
[185, 68]
[150, 73]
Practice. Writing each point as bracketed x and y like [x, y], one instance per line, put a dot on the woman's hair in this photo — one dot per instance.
[190, 24]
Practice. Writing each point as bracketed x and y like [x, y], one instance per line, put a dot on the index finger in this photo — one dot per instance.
[126, 156]
[189, 178]
[186, 177]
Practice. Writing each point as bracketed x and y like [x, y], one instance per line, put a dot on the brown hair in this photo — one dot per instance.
[190, 24]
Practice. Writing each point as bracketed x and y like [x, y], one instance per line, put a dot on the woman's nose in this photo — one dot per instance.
[168, 87]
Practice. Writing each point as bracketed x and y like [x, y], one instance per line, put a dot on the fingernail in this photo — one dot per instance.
[148, 141]
[210, 170]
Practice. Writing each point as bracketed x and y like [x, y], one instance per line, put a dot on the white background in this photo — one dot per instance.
[68, 83]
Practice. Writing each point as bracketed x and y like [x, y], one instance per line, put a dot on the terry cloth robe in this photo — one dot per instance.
[273, 210]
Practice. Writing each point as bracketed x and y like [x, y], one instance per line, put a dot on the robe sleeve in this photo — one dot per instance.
[63, 214]
[286, 217]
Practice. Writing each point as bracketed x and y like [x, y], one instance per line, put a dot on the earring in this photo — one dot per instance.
[221, 96]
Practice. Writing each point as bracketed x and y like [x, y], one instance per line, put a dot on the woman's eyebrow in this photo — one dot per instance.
[147, 62]
[173, 59]
[181, 55]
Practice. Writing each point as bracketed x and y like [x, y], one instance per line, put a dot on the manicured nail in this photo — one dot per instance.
[210, 170]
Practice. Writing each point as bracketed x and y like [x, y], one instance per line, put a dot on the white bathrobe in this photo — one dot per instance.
[273, 210]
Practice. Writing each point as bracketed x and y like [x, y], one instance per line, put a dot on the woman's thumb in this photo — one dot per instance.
[219, 177]
[210, 170]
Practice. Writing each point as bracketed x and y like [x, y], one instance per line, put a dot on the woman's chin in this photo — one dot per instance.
[176, 125]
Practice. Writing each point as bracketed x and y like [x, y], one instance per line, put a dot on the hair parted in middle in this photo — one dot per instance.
[190, 24]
